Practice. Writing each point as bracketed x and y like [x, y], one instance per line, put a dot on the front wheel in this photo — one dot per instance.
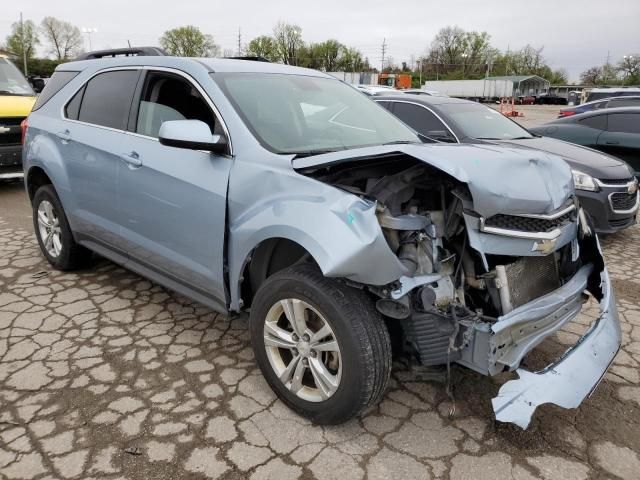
[321, 345]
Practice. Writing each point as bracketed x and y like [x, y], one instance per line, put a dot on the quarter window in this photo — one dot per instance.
[107, 98]
[170, 97]
[56, 83]
[624, 123]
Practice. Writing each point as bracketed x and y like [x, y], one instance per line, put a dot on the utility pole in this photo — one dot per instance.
[607, 67]
[239, 42]
[384, 51]
[24, 50]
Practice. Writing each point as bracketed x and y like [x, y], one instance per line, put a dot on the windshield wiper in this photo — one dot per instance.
[311, 153]
[14, 94]
[401, 142]
[521, 138]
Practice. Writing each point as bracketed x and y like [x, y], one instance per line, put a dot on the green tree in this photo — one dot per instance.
[263, 46]
[288, 40]
[351, 60]
[65, 40]
[22, 40]
[189, 41]
[629, 66]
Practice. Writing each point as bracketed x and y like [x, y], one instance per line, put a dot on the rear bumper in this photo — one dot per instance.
[10, 162]
[573, 377]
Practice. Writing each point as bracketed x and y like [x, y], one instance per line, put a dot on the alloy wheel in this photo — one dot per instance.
[302, 349]
[49, 229]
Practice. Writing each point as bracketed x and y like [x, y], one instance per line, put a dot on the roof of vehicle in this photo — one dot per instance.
[424, 99]
[617, 89]
[594, 113]
[226, 65]
[605, 99]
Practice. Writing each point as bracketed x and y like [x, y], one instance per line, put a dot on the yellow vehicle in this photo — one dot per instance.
[16, 100]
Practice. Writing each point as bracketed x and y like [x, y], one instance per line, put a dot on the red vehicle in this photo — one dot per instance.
[526, 100]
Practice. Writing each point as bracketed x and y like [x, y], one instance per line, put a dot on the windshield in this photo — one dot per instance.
[478, 121]
[11, 80]
[306, 115]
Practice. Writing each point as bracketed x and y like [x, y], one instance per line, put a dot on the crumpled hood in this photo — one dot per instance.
[501, 179]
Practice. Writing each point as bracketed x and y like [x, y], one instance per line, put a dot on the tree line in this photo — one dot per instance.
[285, 45]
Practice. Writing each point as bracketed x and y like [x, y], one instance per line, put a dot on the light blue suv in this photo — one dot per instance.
[253, 186]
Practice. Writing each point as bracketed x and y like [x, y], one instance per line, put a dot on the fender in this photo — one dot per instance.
[338, 229]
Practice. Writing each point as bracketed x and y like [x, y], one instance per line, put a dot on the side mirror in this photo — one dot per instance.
[192, 135]
[440, 136]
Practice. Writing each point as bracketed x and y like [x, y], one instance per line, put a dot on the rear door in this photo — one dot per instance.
[92, 142]
[622, 138]
[174, 199]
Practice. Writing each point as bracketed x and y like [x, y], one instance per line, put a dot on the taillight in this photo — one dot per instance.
[24, 125]
[567, 113]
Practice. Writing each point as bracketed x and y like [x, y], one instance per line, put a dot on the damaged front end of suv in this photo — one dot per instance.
[493, 255]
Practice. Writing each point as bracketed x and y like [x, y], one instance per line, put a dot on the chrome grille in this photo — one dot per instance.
[528, 224]
[623, 201]
[617, 181]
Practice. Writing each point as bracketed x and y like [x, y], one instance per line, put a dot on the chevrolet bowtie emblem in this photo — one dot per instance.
[4, 129]
[544, 246]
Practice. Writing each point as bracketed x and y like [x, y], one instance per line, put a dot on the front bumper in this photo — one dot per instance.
[573, 377]
[10, 162]
[605, 219]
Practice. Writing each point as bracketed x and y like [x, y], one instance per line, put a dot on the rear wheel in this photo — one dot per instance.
[53, 233]
[321, 345]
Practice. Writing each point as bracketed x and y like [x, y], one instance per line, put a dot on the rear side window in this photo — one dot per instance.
[72, 110]
[597, 121]
[57, 81]
[107, 98]
[624, 123]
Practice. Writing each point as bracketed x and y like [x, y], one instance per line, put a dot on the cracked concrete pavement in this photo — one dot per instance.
[105, 375]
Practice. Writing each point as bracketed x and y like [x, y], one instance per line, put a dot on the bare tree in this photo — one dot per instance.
[65, 39]
[592, 76]
[288, 39]
[630, 65]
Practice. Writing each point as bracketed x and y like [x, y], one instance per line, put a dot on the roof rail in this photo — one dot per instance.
[126, 52]
[256, 58]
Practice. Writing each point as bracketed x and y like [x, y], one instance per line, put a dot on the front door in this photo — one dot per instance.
[174, 200]
[622, 138]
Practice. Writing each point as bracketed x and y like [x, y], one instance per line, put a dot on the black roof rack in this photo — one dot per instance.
[123, 52]
[252, 58]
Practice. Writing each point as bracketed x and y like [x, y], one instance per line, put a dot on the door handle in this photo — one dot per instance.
[132, 159]
[64, 136]
[612, 142]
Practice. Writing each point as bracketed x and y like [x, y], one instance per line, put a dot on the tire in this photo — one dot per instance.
[363, 363]
[64, 253]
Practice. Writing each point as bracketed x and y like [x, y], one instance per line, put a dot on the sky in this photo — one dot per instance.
[576, 34]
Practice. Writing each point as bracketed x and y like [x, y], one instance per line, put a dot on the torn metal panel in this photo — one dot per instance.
[537, 182]
[567, 382]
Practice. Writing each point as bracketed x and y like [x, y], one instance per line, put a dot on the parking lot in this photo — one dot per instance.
[106, 375]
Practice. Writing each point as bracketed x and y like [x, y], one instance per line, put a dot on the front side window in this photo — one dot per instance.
[624, 123]
[12, 82]
[304, 114]
[421, 120]
[483, 123]
[107, 98]
[598, 122]
[624, 102]
[168, 97]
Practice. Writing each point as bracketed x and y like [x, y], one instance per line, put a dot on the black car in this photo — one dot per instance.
[604, 184]
[615, 131]
[613, 102]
